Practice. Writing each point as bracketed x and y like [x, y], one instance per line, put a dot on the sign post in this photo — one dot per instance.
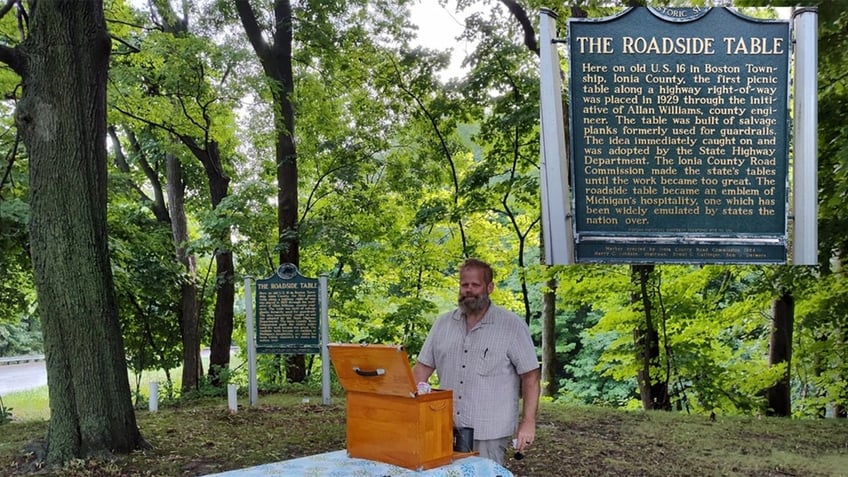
[325, 340]
[556, 213]
[805, 212]
[252, 385]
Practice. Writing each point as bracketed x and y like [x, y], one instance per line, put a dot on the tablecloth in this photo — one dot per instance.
[338, 464]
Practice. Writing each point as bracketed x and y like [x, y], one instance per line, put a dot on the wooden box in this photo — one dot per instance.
[387, 420]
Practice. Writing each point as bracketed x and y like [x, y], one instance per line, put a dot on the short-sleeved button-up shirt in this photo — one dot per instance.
[482, 368]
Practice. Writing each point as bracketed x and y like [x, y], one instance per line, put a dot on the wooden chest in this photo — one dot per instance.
[387, 420]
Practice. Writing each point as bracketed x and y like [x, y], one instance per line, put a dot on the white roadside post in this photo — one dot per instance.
[154, 396]
[232, 398]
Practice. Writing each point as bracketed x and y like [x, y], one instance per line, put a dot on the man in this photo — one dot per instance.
[482, 353]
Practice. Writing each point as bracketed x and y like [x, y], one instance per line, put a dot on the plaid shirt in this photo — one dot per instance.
[482, 368]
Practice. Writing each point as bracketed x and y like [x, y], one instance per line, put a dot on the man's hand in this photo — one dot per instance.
[530, 389]
[526, 435]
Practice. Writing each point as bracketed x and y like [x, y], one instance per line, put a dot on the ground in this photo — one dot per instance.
[198, 438]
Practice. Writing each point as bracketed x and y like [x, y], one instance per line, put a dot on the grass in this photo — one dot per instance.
[29, 405]
[33, 404]
[202, 437]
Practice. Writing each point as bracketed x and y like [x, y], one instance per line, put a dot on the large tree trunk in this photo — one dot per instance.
[189, 309]
[780, 352]
[276, 60]
[62, 120]
[286, 156]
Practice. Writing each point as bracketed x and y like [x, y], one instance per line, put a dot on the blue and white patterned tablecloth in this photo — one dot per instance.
[338, 464]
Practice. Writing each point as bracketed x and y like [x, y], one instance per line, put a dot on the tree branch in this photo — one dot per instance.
[11, 156]
[13, 58]
[253, 30]
[7, 7]
[521, 15]
[9, 55]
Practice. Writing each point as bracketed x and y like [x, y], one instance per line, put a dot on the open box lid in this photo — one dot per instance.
[373, 368]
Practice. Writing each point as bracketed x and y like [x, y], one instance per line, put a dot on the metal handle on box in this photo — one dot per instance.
[376, 372]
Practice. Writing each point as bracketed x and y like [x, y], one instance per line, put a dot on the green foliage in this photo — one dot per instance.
[587, 381]
[820, 359]
[147, 281]
[21, 338]
[17, 292]
[402, 176]
[5, 413]
[714, 332]
[19, 330]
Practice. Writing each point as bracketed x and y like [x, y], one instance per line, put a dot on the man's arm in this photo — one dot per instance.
[421, 372]
[530, 389]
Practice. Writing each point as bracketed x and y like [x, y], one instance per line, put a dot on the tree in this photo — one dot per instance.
[188, 101]
[653, 388]
[276, 60]
[61, 117]
[151, 304]
[780, 353]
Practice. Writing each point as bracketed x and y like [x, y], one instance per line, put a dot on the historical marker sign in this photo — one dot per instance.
[679, 136]
[287, 313]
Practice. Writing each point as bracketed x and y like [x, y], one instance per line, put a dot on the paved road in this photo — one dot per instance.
[20, 377]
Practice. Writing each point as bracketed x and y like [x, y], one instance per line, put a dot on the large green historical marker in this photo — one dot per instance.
[679, 143]
[288, 313]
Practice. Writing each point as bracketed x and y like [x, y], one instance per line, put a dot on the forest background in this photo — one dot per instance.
[236, 144]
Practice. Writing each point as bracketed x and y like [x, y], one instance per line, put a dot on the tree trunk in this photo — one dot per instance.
[189, 309]
[549, 358]
[780, 351]
[286, 155]
[654, 392]
[222, 326]
[287, 199]
[62, 120]
[209, 156]
[276, 60]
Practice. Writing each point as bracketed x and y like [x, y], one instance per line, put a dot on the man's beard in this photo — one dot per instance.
[473, 303]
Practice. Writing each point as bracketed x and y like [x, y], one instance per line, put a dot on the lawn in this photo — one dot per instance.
[201, 437]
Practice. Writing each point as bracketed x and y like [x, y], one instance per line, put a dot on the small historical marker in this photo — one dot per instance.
[679, 136]
[287, 313]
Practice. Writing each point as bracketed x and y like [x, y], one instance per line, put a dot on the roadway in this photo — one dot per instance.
[21, 377]
[33, 374]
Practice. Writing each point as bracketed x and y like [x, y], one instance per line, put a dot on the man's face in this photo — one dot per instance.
[473, 291]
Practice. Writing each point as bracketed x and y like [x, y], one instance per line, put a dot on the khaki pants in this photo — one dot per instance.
[493, 448]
